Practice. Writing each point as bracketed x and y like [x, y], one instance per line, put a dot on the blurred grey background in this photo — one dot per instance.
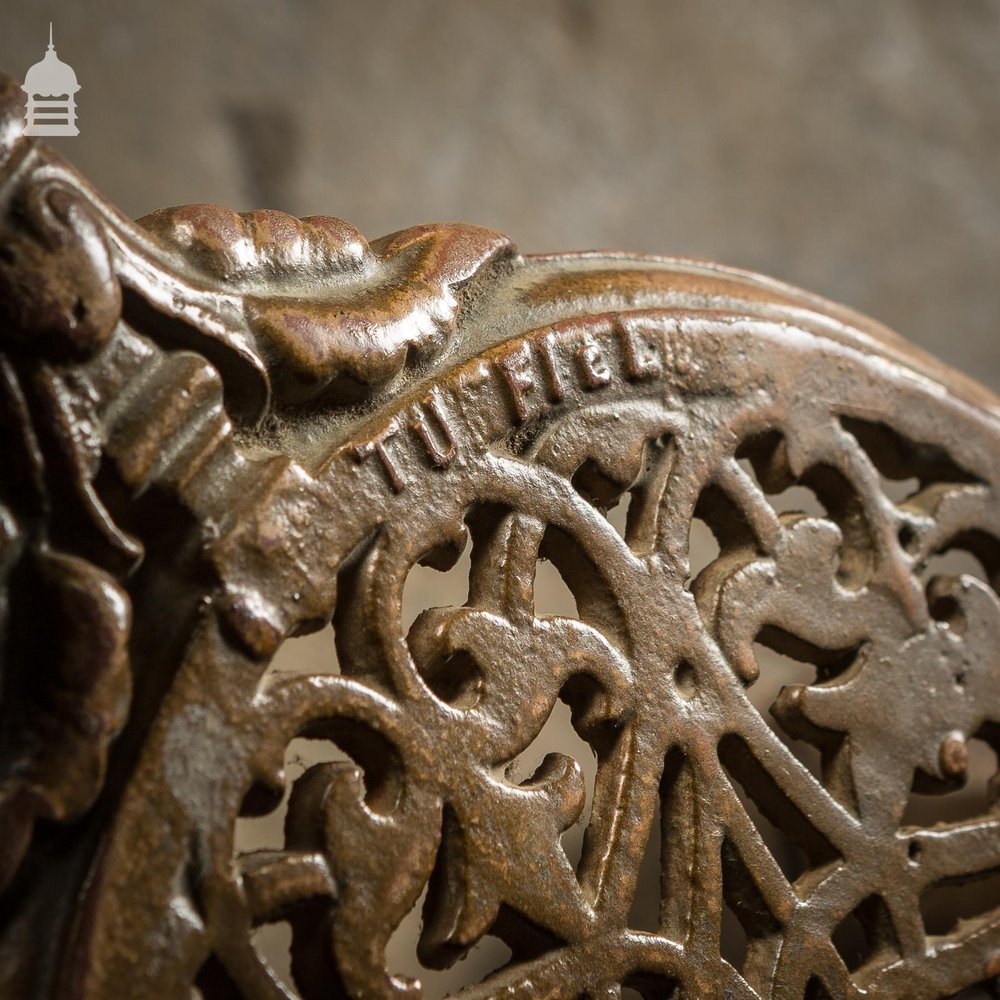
[848, 146]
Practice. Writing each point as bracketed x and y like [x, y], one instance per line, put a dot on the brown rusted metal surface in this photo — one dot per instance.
[224, 431]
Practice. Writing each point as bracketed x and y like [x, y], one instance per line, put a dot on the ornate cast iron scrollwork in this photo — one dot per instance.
[221, 431]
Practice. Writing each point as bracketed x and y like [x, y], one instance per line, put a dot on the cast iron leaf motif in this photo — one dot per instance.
[319, 301]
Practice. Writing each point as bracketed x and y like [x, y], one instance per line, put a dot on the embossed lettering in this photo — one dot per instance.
[441, 457]
[377, 446]
[546, 349]
[641, 361]
[516, 370]
[593, 365]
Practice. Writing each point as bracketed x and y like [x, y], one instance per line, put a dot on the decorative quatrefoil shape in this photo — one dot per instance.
[225, 432]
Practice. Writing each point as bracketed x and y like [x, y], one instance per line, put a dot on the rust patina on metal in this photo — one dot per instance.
[220, 431]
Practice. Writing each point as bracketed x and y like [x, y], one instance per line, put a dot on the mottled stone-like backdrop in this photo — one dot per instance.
[849, 146]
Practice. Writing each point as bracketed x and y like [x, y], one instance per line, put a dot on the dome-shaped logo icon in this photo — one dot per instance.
[51, 88]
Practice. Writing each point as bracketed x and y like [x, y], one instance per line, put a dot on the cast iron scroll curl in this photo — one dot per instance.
[432, 392]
